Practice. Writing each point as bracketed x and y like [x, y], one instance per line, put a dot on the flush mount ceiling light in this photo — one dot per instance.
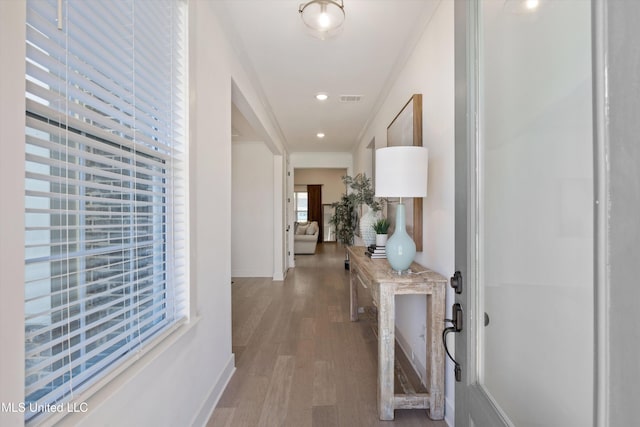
[320, 135]
[322, 96]
[531, 4]
[323, 17]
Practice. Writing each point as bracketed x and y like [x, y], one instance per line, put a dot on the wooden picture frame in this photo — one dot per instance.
[406, 129]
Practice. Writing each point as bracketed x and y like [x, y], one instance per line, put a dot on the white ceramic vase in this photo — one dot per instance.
[367, 232]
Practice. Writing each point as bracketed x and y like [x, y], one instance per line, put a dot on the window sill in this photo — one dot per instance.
[104, 387]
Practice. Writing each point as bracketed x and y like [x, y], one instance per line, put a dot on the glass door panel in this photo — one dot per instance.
[535, 221]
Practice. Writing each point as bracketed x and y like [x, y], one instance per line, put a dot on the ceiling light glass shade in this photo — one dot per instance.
[401, 172]
[532, 4]
[323, 17]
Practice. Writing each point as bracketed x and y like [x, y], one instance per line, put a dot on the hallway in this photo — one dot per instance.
[299, 360]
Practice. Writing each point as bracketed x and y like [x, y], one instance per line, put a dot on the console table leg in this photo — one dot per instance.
[386, 352]
[353, 287]
[435, 353]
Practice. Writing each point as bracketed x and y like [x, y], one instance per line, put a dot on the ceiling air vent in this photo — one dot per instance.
[350, 98]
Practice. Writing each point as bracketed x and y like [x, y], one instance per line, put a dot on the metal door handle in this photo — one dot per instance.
[456, 282]
[457, 323]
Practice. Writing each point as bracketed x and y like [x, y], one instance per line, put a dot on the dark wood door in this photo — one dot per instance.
[315, 207]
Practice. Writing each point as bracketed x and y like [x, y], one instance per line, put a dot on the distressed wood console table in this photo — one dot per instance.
[384, 284]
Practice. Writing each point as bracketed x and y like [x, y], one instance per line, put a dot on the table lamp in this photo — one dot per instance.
[401, 172]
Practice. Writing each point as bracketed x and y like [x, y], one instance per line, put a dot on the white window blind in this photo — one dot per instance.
[105, 187]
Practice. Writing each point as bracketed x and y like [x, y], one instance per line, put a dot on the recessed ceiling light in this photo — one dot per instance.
[322, 96]
[532, 4]
[320, 135]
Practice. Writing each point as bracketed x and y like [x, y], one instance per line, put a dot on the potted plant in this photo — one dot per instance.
[381, 227]
[364, 195]
[344, 221]
[363, 191]
[345, 218]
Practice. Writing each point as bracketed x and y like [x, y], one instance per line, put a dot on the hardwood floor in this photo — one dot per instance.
[299, 360]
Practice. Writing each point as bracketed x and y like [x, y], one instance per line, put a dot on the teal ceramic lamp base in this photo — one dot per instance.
[401, 249]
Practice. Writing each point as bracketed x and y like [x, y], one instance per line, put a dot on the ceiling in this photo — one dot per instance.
[289, 66]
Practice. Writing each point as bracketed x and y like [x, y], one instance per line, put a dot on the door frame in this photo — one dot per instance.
[464, 125]
[469, 396]
[616, 64]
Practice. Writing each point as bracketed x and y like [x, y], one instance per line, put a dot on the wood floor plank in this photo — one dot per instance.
[335, 313]
[299, 413]
[252, 319]
[307, 328]
[349, 358]
[324, 386]
[222, 417]
[274, 409]
[324, 416]
[249, 408]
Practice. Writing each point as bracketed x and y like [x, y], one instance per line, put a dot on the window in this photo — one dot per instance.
[105, 190]
[302, 205]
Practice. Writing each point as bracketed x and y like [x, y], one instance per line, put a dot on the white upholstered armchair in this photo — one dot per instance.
[305, 238]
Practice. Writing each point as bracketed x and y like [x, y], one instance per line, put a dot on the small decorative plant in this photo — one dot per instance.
[381, 226]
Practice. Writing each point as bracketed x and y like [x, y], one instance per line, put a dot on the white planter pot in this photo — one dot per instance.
[381, 239]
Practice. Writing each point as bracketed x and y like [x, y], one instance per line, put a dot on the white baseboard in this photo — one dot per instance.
[251, 273]
[206, 410]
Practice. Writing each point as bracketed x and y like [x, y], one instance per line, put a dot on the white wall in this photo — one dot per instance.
[180, 381]
[429, 71]
[331, 180]
[322, 160]
[252, 200]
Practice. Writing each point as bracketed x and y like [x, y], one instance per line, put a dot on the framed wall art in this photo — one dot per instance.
[406, 129]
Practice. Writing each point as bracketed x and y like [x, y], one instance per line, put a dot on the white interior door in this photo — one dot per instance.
[526, 348]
